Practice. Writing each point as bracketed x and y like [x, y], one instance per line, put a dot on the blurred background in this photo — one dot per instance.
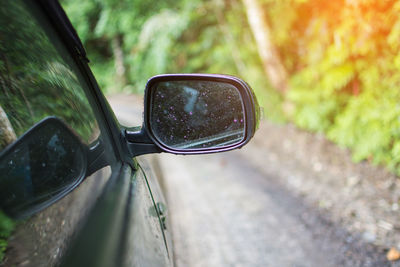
[330, 67]
[326, 73]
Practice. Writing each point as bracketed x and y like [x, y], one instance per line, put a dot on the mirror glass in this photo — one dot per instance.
[41, 165]
[197, 114]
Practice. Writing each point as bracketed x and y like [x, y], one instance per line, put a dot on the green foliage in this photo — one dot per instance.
[343, 62]
[6, 227]
[156, 39]
[182, 36]
[101, 23]
[222, 42]
[341, 56]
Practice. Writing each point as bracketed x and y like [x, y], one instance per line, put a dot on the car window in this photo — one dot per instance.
[36, 81]
[39, 79]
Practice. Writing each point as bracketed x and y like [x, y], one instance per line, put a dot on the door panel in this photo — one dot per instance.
[145, 241]
[44, 238]
[123, 229]
[152, 170]
[99, 241]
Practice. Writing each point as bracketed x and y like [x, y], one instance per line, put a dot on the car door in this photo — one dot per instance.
[108, 219]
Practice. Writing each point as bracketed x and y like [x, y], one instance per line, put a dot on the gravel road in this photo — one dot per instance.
[227, 211]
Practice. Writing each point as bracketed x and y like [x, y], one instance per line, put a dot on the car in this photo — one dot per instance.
[69, 172]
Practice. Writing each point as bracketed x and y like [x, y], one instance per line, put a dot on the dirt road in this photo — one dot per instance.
[229, 210]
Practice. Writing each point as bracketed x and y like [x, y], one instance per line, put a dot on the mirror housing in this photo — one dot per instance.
[195, 114]
[40, 167]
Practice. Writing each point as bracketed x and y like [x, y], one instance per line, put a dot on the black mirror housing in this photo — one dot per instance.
[195, 114]
[39, 168]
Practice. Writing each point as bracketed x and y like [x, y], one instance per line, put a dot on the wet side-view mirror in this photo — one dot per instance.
[197, 113]
[40, 167]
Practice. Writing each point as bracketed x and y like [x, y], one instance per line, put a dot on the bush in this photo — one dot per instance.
[6, 227]
[344, 63]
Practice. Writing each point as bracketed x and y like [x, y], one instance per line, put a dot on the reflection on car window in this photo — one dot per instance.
[36, 81]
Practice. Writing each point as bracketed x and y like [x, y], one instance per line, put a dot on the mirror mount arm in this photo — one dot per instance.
[139, 142]
[97, 158]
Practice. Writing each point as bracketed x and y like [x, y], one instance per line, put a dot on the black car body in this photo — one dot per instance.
[69, 169]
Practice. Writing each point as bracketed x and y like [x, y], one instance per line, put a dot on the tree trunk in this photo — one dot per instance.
[269, 56]
[120, 69]
[7, 134]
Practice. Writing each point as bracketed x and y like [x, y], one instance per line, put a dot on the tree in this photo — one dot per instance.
[266, 49]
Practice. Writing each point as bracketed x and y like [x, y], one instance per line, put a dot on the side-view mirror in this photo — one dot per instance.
[195, 114]
[40, 167]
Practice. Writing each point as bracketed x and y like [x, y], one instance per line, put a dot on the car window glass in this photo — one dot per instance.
[35, 80]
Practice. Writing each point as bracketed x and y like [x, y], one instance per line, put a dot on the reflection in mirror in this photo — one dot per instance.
[196, 114]
[40, 166]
